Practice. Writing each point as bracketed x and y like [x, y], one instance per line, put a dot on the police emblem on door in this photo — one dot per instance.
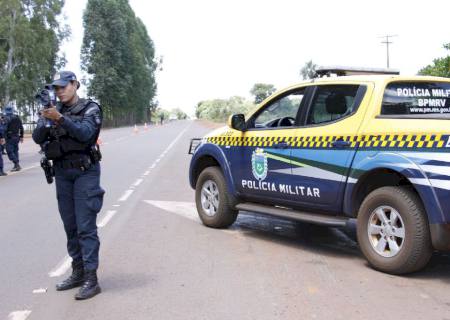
[259, 164]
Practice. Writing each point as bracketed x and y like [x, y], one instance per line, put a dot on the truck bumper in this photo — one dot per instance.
[440, 236]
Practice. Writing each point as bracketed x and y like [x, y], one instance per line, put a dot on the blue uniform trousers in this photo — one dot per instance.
[1, 157]
[80, 199]
[12, 148]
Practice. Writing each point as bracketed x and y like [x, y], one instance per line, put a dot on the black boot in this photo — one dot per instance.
[2, 173]
[76, 279]
[90, 286]
[16, 167]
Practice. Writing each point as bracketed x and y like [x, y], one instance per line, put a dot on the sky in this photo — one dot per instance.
[218, 49]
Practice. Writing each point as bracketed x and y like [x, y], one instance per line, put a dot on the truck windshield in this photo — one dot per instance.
[417, 98]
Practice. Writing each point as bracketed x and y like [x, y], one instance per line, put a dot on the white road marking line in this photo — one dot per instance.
[169, 147]
[184, 209]
[138, 182]
[146, 173]
[176, 139]
[126, 195]
[61, 268]
[189, 210]
[22, 170]
[40, 290]
[106, 218]
[116, 205]
[19, 315]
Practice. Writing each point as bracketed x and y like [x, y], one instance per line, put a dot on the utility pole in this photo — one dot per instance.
[387, 42]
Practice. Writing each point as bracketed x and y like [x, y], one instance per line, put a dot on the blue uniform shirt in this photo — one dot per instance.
[83, 131]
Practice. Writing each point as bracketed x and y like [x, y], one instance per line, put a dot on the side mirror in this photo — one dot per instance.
[237, 122]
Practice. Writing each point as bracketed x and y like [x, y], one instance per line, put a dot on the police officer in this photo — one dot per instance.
[14, 135]
[71, 143]
[2, 142]
[2, 131]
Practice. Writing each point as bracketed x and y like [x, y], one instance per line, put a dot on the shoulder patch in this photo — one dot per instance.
[92, 109]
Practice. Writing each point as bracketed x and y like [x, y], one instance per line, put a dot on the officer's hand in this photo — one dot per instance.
[2, 141]
[51, 113]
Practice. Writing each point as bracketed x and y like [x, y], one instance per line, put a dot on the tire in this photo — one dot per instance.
[218, 210]
[406, 234]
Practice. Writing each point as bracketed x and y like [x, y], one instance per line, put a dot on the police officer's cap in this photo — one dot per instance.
[62, 79]
[9, 110]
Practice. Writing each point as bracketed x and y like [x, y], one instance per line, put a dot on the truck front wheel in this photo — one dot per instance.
[393, 231]
[215, 206]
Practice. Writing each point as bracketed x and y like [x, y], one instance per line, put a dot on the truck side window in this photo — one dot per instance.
[332, 102]
[281, 112]
[416, 98]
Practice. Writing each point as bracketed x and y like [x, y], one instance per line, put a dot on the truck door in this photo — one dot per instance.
[262, 160]
[325, 145]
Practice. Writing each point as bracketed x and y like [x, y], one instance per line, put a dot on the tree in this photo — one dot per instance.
[118, 56]
[309, 70]
[180, 114]
[220, 109]
[261, 91]
[440, 66]
[30, 36]
[161, 115]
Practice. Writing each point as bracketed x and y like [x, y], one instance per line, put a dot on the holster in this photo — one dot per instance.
[95, 153]
[48, 170]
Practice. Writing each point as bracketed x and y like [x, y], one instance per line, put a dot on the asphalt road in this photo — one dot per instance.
[159, 262]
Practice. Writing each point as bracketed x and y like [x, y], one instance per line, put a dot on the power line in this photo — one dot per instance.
[387, 42]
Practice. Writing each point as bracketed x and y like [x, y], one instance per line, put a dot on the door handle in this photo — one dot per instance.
[281, 145]
[340, 144]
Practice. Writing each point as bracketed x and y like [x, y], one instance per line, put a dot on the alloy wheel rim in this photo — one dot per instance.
[386, 231]
[210, 198]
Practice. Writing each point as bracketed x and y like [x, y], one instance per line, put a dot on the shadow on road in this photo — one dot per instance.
[438, 267]
[126, 281]
[326, 241]
[318, 239]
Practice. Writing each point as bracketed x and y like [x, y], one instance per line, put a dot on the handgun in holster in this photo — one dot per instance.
[48, 169]
[95, 153]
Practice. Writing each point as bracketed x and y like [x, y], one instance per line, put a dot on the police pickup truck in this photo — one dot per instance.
[375, 148]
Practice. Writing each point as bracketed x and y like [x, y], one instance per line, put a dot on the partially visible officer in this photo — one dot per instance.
[14, 135]
[2, 142]
[70, 141]
[2, 129]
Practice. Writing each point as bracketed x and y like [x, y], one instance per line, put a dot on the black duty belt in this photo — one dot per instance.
[83, 163]
[12, 134]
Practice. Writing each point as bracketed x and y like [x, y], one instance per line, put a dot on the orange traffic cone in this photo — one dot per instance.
[136, 130]
[145, 126]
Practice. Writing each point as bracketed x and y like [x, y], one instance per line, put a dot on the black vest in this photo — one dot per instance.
[61, 143]
[13, 126]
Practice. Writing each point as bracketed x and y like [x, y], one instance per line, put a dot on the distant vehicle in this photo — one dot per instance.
[375, 148]
[173, 117]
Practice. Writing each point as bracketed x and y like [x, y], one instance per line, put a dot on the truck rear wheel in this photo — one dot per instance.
[214, 206]
[393, 231]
